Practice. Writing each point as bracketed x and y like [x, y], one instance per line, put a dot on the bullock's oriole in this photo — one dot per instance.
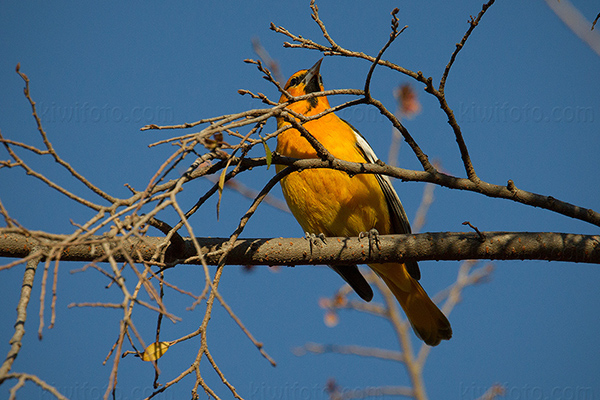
[333, 203]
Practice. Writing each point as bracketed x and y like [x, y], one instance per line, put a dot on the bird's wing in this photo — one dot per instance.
[354, 278]
[398, 216]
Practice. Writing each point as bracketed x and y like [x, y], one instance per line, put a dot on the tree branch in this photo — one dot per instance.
[509, 192]
[26, 287]
[553, 246]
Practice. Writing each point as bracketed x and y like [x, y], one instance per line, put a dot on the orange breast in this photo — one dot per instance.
[327, 201]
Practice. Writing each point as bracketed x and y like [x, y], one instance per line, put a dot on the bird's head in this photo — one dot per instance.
[304, 82]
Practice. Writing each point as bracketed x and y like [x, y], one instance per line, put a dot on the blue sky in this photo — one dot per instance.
[524, 89]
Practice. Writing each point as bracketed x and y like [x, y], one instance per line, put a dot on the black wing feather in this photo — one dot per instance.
[399, 220]
[354, 278]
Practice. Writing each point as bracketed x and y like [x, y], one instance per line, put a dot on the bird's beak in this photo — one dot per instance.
[311, 80]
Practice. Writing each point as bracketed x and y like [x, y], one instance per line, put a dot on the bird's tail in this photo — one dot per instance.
[427, 320]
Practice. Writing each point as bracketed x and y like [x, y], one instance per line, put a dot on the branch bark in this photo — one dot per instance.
[551, 246]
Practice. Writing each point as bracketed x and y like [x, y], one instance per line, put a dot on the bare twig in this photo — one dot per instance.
[362, 351]
[576, 22]
[17, 339]
[23, 377]
[50, 148]
[494, 391]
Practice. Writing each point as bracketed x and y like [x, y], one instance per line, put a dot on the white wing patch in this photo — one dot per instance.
[399, 220]
[362, 144]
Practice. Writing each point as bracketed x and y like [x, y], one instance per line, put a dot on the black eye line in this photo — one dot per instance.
[296, 80]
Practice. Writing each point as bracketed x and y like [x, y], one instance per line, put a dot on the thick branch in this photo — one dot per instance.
[509, 192]
[342, 250]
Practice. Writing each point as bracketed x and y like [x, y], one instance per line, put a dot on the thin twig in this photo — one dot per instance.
[50, 148]
[17, 339]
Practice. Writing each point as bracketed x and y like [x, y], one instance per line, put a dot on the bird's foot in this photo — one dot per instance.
[315, 240]
[373, 236]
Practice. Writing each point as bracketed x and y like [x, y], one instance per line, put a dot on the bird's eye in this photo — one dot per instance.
[295, 80]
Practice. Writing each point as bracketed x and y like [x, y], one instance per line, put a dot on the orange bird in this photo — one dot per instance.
[333, 203]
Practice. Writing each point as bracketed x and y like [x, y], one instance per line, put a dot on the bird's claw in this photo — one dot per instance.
[373, 236]
[313, 239]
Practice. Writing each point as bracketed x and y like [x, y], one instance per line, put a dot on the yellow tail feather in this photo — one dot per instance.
[427, 320]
